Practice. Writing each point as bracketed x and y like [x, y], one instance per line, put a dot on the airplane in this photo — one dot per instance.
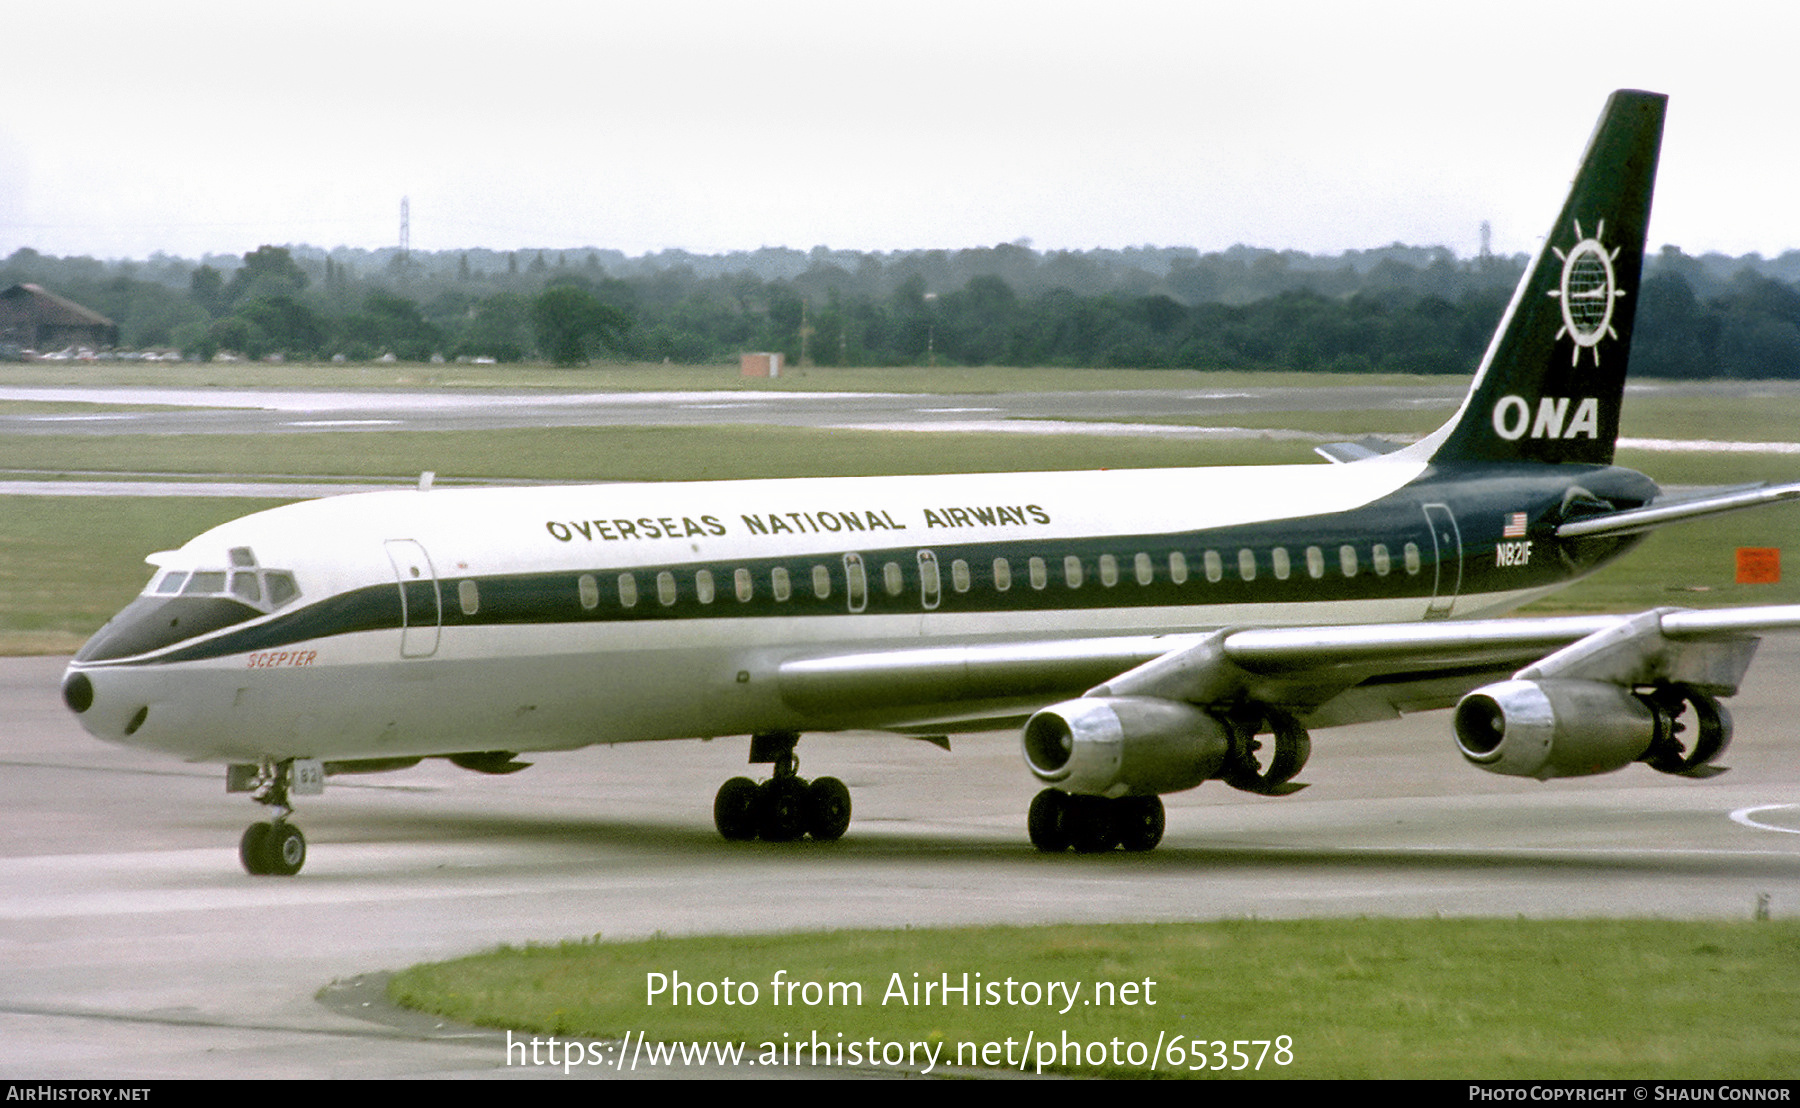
[1148, 630]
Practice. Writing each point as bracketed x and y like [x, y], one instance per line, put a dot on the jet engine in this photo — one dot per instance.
[1125, 745]
[1574, 728]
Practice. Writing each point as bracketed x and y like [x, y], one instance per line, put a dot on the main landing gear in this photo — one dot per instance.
[273, 848]
[1060, 821]
[786, 807]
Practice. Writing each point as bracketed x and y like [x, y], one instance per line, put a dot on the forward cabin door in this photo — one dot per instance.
[421, 607]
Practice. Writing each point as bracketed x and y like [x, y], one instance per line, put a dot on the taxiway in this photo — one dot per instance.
[133, 946]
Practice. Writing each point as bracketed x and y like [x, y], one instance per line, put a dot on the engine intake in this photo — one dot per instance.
[1125, 745]
[1574, 728]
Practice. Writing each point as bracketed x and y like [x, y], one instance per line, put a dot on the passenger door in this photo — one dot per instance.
[421, 606]
[1447, 540]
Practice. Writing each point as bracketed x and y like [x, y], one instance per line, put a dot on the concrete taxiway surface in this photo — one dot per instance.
[267, 411]
[133, 946]
[128, 410]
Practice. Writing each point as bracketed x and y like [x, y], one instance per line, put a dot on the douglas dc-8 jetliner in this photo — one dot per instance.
[1151, 629]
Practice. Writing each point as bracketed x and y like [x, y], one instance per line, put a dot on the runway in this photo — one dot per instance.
[134, 947]
[130, 410]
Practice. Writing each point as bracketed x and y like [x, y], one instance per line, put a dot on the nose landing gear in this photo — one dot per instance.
[272, 849]
[275, 847]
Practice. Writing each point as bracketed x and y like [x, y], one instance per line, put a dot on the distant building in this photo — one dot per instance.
[37, 320]
[760, 365]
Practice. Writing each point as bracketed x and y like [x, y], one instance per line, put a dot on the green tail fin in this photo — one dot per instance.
[1550, 385]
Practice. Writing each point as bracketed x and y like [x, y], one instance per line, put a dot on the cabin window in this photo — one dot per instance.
[1382, 562]
[1145, 570]
[929, 587]
[1278, 559]
[589, 590]
[779, 583]
[1109, 570]
[821, 582]
[741, 581]
[856, 582]
[1315, 562]
[1411, 554]
[1178, 567]
[1072, 571]
[628, 590]
[1347, 560]
[1040, 576]
[665, 588]
[703, 586]
[1002, 575]
[891, 580]
[959, 575]
[469, 596]
[1215, 566]
[1247, 564]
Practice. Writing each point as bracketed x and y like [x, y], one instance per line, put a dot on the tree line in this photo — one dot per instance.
[1398, 309]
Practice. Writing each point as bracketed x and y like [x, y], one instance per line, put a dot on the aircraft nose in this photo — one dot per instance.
[77, 691]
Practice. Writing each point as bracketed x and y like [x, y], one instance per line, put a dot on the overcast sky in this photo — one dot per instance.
[198, 126]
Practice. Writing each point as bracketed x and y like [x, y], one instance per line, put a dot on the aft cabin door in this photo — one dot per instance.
[1447, 543]
[421, 608]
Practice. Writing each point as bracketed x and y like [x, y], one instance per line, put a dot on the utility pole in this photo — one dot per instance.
[804, 332]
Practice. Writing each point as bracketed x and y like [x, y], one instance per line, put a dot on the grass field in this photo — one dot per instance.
[1460, 998]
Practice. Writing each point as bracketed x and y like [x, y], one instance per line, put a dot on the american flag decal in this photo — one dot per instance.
[1515, 526]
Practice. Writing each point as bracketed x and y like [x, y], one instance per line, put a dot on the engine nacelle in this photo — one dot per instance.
[1556, 728]
[1124, 745]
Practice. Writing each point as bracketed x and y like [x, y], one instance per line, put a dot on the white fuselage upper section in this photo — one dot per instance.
[334, 544]
[704, 665]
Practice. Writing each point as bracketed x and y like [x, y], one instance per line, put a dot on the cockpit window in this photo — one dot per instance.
[179, 605]
[204, 583]
[245, 581]
[281, 587]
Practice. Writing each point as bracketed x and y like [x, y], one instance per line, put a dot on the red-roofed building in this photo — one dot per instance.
[38, 320]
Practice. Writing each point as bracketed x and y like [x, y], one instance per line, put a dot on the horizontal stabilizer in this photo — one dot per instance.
[1366, 447]
[1659, 512]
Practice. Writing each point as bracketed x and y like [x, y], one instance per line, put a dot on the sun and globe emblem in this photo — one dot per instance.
[1587, 291]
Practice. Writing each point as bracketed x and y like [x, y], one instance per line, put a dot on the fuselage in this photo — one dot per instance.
[426, 622]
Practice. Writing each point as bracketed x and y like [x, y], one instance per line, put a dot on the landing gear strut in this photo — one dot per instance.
[1059, 821]
[274, 848]
[786, 807]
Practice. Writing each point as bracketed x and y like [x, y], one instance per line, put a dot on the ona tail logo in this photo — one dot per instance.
[1588, 288]
[1513, 418]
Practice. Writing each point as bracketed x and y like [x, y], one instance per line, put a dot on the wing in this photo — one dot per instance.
[1322, 676]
